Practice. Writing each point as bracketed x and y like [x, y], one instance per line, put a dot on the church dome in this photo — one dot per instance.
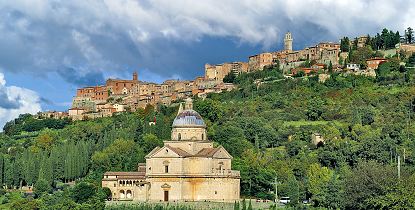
[188, 118]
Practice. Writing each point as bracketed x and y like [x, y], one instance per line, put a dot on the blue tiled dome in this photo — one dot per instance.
[188, 118]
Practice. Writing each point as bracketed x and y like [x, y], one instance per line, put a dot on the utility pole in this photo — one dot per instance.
[276, 188]
[404, 156]
[399, 167]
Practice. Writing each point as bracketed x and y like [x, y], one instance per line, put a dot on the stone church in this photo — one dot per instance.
[187, 168]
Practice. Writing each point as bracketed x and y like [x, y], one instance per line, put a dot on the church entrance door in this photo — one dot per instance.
[166, 195]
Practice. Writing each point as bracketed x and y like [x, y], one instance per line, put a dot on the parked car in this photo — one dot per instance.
[284, 200]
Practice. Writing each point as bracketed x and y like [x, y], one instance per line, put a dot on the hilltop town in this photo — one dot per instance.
[119, 95]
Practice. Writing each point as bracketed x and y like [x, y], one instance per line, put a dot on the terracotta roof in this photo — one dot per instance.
[76, 109]
[153, 151]
[376, 58]
[179, 151]
[207, 152]
[124, 175]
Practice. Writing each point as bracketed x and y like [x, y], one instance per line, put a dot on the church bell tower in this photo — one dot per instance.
[288, 42]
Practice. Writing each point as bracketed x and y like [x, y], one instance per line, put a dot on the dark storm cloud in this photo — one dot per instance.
[6, 103]
[107, 38]
[46, 101]
[90, 78]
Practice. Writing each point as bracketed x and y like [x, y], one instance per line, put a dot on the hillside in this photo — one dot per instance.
[366, 123]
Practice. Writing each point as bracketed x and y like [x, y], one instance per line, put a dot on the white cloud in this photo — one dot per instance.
[254, 21]
[16, 101]
[112, 34]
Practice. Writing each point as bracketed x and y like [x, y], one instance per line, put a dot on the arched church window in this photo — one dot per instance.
[179, 136]
[166, 169]
[203, 136]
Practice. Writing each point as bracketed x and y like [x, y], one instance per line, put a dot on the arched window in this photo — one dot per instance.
[122, 194]
[179, 136]
[129, 194]
[166, 169]
[203, 136]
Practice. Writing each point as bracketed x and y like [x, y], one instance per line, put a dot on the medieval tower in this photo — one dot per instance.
[288, 42]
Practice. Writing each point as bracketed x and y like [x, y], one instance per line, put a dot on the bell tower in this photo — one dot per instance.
[135, 76]
[288, 42]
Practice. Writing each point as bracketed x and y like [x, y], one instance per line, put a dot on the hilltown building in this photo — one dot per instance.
[187, 168]
[407, 49]
[119, 95]
[219, 71]
[325, 52]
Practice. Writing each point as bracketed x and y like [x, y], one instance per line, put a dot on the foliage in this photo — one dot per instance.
[367, 181]
[360, 55]
[122, 155]
[151, 141]
[83, 191]
[28, 123]
[229, 78]
[345, 44]
[41, 186]
[409, 35]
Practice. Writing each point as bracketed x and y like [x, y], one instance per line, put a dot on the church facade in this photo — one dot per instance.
[187, 168]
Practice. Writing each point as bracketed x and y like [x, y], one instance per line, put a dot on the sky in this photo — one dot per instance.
[49, 48]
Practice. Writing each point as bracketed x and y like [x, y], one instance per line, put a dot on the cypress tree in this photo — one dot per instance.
[8, 171]
[236, 205]
[1, 169]
[58, 162]
[45, 171]
[250, 204]
[243, 204]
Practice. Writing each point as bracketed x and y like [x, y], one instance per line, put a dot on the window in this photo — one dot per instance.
[179, 136]
[203, 136]
[166, 169]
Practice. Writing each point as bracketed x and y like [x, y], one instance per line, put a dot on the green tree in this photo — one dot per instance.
[318, 179]
[150, 141]
[293, 191]
[355, 42]
[236, 205]
[330, 67]
[411, 61]
[243, 204]
[345, 44]
[41, 186]
[26, 204]
[83, 191]
[335, 193]
[209, 109]
[360, 55]
[232, 138]
[250, 204]
[122, 155]
[45, 171]
[229, 78]
[409, 35]
[367, 181]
